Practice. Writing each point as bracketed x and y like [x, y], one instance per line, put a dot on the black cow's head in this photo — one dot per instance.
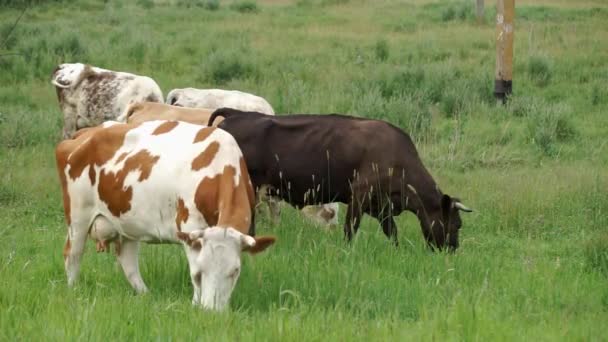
[444, 223]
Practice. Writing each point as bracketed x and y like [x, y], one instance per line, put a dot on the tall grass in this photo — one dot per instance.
[532, 262]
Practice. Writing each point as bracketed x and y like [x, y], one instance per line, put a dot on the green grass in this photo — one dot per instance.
[533, 261]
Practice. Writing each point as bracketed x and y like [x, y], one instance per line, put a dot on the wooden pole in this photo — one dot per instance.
[479, 11]
[503, 84]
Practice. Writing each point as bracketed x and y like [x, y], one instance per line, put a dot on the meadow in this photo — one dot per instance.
[533, 260]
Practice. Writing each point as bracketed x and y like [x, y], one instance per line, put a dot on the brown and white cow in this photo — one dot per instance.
[160, 182]
[88, 95]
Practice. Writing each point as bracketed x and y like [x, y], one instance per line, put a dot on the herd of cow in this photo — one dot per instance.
[191, 171]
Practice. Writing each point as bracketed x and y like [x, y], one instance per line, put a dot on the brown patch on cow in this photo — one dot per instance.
[61, 156]
[206, 157]
[197, 278]
[247, 182]
[111, 186]
[181, 215]
[223, 203]
[92, 174]
[82, 131]
[203, 134]
[165, 127]
[67, 248]
[122, 157]
[102, 146]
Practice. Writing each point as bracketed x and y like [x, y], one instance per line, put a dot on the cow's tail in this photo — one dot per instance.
[131, 108]
[223, 112]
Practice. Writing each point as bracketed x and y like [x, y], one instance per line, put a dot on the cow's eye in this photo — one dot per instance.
[234, 273]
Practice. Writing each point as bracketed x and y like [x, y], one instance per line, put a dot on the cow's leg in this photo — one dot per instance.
[252, 225]
[353, 219]
[128, 258]
[383, 212]
[72, 251]
[389, 227]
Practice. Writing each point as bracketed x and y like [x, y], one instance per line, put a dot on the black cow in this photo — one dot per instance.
[370, 165]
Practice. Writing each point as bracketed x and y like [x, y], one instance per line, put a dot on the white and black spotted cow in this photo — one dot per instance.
[88, 95]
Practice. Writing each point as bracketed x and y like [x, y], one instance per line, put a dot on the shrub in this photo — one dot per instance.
[70, 45]
[210, 5]
[596, 253]
[22, 129]
[521, 106]
[406, 81]
[406, 111]
[381, 50]
[23, 3]
[598, 95]
[245, 6]
[137, 52]
[225, 65]
[146, 4]
[453, 101]
[549, 125]
[459, 10]
[539, 70]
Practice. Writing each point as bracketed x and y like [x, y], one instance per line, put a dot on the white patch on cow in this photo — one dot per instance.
[218, 98]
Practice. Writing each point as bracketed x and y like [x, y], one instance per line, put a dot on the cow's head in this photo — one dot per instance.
[67, 75]
[445, 223]
[218, 263]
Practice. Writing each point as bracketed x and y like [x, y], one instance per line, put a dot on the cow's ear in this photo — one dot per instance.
[192, 239]
[446, 205]
[257, 244]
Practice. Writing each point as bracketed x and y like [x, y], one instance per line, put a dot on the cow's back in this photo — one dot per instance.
[138, 173]
[326, 152]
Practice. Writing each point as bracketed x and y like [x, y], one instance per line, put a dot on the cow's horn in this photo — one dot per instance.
[462, 207]
[60, 85]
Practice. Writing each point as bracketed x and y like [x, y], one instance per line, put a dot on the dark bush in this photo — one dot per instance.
[225, 65]
[381, 49]
[539, 70]
[596, 253]
[245, 6]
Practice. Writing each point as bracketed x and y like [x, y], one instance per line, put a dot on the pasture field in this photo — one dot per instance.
[533, 260]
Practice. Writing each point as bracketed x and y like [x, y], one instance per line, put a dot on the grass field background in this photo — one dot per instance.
[533, 261]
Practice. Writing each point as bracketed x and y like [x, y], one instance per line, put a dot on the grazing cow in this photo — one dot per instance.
[370, 165]
[150, 111]
[326, 214]
[218, 98]
[160, 182]
[89, 95]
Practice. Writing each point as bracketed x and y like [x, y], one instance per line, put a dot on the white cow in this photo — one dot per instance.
[160, 182]
[218, 98]
[88, 95]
